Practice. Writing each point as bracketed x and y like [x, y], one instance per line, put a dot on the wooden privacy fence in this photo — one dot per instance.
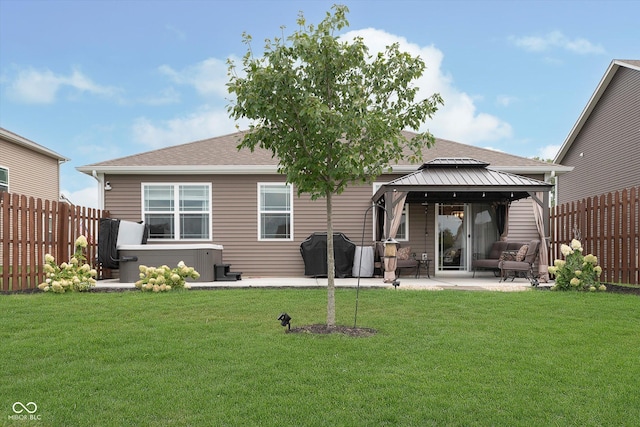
[31, 228]
[608, 227]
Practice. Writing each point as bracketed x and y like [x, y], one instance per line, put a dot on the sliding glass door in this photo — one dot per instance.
[452, 237]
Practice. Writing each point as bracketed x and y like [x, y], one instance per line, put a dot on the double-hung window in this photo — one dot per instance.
[177, 211]
[275, 211]
[4, 179]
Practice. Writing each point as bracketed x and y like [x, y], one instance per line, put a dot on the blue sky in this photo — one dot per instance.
[96, 80]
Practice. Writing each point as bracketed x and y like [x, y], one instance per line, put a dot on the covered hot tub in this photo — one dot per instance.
[201, 256]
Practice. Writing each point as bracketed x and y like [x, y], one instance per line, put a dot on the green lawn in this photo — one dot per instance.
[220, 358]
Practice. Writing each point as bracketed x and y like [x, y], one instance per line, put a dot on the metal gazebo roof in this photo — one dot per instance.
[462, 180]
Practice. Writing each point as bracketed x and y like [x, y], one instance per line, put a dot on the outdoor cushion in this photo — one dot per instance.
[403, 253]
[522, 252]
[500, 250]
[507, 256]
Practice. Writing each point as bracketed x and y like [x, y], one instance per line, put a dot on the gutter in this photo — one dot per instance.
[180, 170]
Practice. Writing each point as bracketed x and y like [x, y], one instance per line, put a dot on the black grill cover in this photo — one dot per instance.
[314, 254]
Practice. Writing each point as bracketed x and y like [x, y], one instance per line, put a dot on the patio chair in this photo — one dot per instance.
[404, 259]
[495, 255]
[521, 264]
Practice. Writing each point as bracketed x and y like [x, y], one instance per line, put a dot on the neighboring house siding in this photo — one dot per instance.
[30, 173]
[609, 143]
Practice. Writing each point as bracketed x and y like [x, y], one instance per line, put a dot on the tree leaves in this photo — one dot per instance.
[332, 113]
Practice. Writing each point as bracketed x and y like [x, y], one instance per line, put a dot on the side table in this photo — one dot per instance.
[426, 263]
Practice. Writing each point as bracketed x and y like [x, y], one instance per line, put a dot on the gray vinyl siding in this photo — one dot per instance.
[522, 224]
[30, 173]
[609, 143]
[422, 231]
[235, 218]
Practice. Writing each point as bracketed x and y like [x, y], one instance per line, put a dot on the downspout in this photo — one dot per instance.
[555, 188]
[60, 195]
[548, 206]
[100, 180]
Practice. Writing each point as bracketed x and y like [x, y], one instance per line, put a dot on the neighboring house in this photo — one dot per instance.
[28, 168]
[209, 191]
[603, 148]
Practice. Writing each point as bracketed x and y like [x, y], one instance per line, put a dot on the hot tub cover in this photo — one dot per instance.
[114, 232]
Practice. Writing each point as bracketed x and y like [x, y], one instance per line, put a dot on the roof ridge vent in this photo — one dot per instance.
[456, 162]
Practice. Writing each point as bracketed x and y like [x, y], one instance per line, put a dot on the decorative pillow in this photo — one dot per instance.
[522, 252]
[403, 253]
[507, 256]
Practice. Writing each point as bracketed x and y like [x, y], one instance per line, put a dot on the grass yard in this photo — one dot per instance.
[220, 358]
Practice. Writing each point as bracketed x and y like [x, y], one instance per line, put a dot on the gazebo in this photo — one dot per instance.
[465, 180]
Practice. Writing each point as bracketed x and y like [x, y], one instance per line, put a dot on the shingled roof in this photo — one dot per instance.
[220, 155]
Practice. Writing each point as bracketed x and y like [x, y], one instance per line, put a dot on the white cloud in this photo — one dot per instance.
[33, 86]
[458, 119]
[87, 197]
[505, 100]
[548, 152]
[208, 77]
[556, 39]
[199, 125]
[165, 97]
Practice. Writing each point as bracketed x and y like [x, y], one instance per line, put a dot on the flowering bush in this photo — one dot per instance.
[576, 272]
[76, 275]
[163, 279]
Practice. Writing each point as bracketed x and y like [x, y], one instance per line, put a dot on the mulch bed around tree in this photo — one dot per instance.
[324, 329]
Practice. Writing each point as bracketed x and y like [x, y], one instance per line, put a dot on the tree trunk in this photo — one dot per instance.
[331, 266]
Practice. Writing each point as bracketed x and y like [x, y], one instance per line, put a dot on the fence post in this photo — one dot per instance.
[62, 238]
[5, 215]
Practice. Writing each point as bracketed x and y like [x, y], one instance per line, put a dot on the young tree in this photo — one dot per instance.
[330, 112]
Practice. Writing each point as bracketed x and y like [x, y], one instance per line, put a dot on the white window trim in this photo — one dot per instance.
[8, 177]
[376, 186]
[259, 223]
[176, 216]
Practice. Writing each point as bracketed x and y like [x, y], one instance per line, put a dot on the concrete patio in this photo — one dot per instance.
[484, 281]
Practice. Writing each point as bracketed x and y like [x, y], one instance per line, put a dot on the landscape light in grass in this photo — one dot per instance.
[395, 284]
[285, 320]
